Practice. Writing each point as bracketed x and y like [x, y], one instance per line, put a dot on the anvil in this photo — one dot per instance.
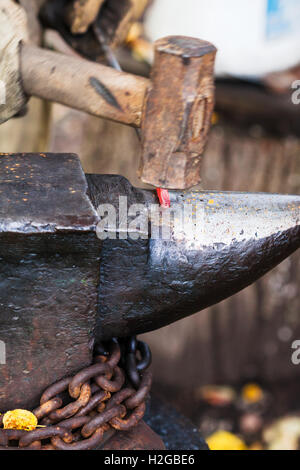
[69, 277]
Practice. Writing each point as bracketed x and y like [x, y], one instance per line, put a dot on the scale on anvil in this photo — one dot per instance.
[62, 288]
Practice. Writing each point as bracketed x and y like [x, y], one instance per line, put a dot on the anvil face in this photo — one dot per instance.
[62, 288]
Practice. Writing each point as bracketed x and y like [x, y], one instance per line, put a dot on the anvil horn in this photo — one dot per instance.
[148, 283]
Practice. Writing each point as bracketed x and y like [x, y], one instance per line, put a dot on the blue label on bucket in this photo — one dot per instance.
[283, 17]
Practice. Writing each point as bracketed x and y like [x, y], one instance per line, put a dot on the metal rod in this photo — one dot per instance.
[110, 57]
[109, 54]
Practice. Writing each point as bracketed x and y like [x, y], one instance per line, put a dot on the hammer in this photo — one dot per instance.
[173, 108]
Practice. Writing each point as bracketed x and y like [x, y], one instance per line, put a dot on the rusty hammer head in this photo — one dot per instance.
[177, 112]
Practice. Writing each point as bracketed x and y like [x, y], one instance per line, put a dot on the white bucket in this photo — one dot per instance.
[253, 37]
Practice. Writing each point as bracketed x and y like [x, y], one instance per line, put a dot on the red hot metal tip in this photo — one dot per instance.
[164, 197]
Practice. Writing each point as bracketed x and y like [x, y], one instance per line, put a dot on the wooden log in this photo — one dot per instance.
[81, 14]
[118, 16]
[247, 104]
[115, 20]
[83, 85]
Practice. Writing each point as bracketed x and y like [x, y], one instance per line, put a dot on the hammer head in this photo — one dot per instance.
[177, 113]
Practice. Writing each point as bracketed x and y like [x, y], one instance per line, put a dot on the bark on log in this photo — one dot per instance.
[115, 20]
[107, 92]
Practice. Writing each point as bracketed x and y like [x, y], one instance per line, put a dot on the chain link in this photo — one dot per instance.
[133, 365]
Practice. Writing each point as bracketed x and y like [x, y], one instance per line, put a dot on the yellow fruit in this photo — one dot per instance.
[20, 419]
[224, 440]
[252, 393]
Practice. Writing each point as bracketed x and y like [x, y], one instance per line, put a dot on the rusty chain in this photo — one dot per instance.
[84, 411]
[131, 363]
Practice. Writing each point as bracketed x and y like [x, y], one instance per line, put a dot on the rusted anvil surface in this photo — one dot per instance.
[61, 287]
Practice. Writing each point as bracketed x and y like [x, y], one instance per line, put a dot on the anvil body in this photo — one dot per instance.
[62, 287]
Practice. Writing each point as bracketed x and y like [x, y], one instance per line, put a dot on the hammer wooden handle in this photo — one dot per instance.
[83, 85]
